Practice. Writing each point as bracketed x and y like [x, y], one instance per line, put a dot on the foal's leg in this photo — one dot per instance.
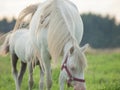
[46, 61]
[30, 69]
[22, 71]
[14, 60]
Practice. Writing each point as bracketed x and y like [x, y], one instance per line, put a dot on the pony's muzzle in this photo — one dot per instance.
[80, 86]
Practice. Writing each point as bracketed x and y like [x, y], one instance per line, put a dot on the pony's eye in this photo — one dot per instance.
[73, 68]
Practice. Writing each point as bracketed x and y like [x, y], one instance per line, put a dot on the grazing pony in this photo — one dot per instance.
[57, 29]
[19, 45]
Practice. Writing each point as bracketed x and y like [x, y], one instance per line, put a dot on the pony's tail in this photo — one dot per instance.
[28, 10]
[4, 48]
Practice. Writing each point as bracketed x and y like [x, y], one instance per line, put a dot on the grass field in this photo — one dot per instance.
[102, 73]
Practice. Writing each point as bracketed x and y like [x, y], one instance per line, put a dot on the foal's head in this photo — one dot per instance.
[74, 65]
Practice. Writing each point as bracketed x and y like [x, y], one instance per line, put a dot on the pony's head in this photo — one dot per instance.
[74, 65]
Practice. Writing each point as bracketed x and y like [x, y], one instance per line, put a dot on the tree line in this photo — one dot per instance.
[99, 32]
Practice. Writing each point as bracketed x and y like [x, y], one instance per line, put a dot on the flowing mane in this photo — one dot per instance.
[58, 29]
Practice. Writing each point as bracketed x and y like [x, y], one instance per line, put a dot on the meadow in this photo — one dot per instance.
[102, 73]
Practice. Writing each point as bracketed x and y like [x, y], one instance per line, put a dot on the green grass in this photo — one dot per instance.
[102, 73]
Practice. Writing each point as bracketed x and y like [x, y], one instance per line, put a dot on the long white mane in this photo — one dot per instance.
[60, 29]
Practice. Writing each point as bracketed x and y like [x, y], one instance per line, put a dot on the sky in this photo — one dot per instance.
[10, 8]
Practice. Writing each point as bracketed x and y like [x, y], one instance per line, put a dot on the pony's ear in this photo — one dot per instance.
[83, 49]
[71, 50]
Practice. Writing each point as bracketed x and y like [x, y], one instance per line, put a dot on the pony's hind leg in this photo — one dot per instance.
[14, 60]
[31, 81]
[21, 73]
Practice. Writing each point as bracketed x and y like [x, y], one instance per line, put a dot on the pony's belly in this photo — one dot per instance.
[19, 50]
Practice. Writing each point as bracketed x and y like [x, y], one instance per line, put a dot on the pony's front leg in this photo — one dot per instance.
[62, 80]
[46, 61]
[41, 82]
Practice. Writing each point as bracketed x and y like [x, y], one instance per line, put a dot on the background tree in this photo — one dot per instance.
[100, 32]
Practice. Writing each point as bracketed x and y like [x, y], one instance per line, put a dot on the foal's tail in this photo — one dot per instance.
[27, 11]
[4, 48]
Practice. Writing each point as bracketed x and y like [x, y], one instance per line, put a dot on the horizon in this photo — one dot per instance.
[11, 8]
[9, 19]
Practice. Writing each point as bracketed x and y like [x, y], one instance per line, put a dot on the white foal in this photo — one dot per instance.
[19, 45]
